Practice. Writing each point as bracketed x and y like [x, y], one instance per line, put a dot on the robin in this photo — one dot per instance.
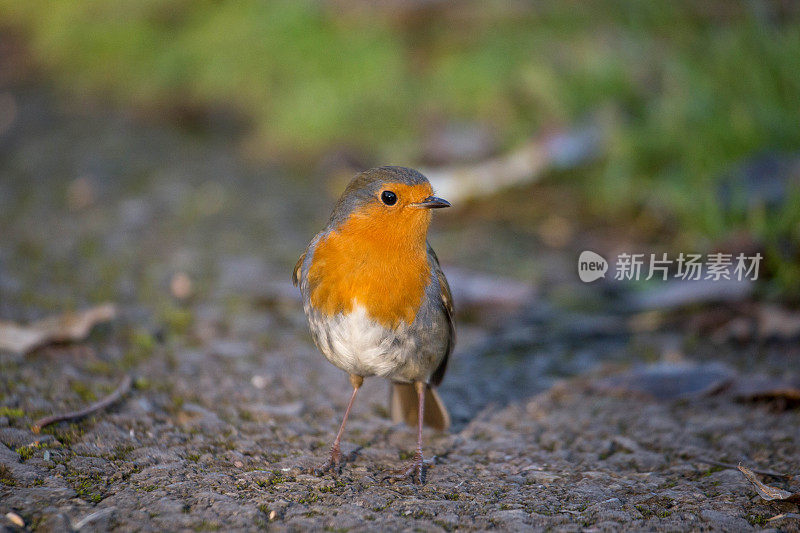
[377, 301]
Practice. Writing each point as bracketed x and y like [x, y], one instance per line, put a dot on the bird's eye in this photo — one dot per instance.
[388, 197]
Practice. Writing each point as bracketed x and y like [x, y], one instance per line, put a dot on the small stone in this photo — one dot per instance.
[273, 515]
[238, 464]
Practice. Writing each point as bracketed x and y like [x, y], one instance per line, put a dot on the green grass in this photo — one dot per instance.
[310, 77]
[686, 90]
[11, 412]
[89, 487]
[26, 452]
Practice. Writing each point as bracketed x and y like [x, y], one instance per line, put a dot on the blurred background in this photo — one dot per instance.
[681, 118]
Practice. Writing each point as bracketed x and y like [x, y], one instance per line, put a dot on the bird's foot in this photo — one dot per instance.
[333, 463]
[415, 470]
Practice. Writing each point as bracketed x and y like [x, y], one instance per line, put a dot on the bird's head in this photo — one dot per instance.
[387, 202]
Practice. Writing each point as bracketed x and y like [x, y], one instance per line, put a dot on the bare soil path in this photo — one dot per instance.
[232, 404]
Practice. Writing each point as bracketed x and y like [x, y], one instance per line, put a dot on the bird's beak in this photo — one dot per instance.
[431, 202]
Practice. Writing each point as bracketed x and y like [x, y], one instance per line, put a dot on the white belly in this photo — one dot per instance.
[361, 346]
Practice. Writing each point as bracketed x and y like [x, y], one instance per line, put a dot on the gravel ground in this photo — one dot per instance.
[232, 404]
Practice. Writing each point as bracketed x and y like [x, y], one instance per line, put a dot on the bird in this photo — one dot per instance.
[377, 301]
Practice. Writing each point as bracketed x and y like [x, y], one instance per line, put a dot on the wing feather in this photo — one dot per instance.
[447, 306]
[296, 271]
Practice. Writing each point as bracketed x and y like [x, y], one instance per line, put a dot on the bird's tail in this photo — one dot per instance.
[405, 406]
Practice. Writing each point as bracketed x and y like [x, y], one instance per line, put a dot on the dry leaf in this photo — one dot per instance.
[765, 491]
[15, 519]
[19, 339]
[61, 328]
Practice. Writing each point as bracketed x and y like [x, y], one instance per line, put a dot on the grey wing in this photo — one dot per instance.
[447, 306]
[300, 272]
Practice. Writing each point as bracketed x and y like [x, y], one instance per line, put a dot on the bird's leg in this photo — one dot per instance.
[336, 454]
[416, 469]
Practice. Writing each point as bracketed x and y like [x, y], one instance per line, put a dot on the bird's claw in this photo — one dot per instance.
[334, 463]
[415, 470]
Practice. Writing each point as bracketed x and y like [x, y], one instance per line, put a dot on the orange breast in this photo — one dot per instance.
[377, 260]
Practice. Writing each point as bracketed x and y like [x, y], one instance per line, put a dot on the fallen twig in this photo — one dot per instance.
[784, 515]
[738, 467]
[92, 517]
[523, 165]
[765, 491]
[99, 405]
